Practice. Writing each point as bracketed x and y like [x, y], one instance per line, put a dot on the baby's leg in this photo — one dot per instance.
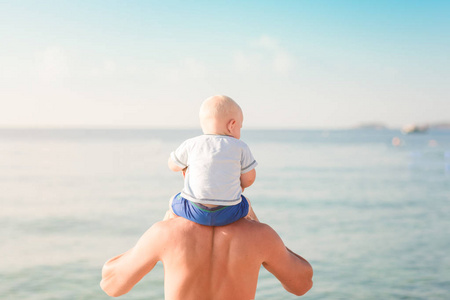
[170, 214]
[251, 214]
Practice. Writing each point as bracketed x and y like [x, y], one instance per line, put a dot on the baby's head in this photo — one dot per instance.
[221, 115]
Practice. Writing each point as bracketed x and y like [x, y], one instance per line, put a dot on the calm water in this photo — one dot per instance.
[373, 219]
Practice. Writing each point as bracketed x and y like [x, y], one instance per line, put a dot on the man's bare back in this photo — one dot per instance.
[202, 262]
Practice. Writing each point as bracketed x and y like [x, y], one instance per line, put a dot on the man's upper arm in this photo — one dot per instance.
[122, 272]
[294, 272]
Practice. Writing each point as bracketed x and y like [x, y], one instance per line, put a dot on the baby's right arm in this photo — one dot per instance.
[248, 178]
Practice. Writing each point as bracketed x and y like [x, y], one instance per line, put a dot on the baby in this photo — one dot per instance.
[217, 167]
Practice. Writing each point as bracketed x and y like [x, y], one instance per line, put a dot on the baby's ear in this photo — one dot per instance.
[231, 125]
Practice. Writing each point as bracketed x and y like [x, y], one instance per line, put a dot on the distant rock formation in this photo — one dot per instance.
[413, 128]
[442, 125]
[374, 125]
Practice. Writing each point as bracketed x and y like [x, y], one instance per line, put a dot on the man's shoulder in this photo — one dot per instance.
[242, 225]
[253, 228]
[175, 225]
[251, 233]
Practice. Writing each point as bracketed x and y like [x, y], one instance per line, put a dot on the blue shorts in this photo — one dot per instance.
[209, 216]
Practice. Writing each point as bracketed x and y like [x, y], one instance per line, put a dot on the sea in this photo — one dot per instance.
[369, 209]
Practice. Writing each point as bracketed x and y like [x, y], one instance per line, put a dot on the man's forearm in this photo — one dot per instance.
[112, 283]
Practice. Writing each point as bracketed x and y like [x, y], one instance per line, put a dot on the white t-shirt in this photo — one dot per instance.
[215, 164]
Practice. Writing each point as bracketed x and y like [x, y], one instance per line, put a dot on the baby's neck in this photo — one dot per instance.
[214, 133]
[216, 130]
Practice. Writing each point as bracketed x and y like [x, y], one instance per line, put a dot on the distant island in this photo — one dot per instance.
[443, 125]
[413, 128]
[375, 126]
[406, 128]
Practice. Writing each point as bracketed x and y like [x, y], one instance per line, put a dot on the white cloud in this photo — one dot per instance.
[109, 66]
[53, 64]
[264, 55]
[104, 68]
[283, 63]
[248, 62]
[268, 43]
[185, 70]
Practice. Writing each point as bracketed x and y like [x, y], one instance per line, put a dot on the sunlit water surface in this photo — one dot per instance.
[373, 219]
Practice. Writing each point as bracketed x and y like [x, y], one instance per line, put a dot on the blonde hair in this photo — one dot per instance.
[218, 107]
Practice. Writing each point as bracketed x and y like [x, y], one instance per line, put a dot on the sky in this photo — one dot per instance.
[305, 64]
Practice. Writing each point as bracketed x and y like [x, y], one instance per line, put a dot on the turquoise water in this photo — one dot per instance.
[373, 219]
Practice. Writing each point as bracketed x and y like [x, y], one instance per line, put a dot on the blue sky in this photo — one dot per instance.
[289, 64]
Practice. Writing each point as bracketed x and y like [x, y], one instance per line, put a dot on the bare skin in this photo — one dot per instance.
[208, 263]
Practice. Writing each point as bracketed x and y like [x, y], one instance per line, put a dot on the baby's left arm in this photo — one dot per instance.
[178, 159]
[174, 167]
